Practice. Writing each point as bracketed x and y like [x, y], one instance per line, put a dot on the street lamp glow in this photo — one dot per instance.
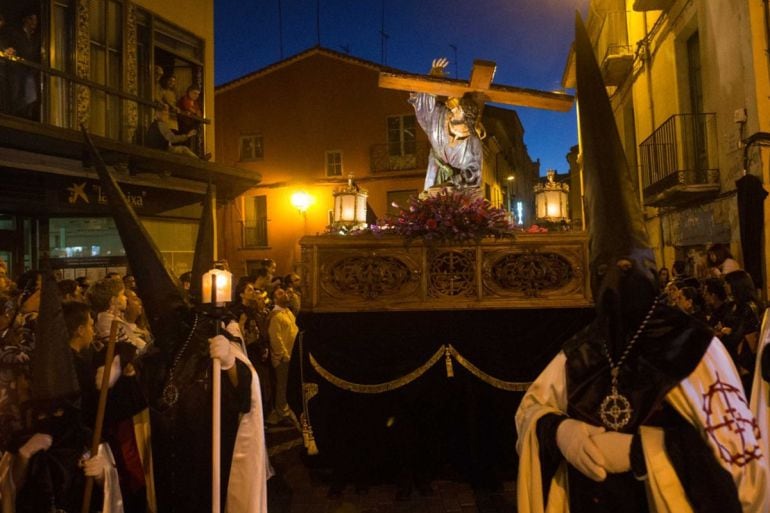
[510, 178]
[301, 201]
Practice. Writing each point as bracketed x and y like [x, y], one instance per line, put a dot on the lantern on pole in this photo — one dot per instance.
[216, 286]
[216, 290]
[552, 200]
[349, 207]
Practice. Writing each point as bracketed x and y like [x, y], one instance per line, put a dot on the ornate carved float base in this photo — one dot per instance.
[366, 273]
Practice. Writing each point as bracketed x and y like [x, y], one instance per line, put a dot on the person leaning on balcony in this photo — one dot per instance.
[160, 136]
[721, 261]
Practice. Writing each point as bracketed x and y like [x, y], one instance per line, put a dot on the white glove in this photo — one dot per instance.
[95, 466]
[616, 450]
[114, 373]
[219, 347]
[38, 442]
[574, 440]
[438, 66]
[234, 329]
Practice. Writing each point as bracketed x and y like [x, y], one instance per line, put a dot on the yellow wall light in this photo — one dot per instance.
[301, 201]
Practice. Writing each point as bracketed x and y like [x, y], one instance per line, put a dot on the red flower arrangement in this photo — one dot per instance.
[449, 216]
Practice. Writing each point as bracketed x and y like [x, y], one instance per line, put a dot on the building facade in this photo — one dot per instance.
[305, 124]
[67, 64]
[689, 83]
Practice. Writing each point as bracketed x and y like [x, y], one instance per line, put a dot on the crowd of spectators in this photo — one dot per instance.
[264, 305]
[725, 297]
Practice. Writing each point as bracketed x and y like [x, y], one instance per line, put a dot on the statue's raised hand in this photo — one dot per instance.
[438, 66]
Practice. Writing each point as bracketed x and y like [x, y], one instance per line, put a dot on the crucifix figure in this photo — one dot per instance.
[453, 126]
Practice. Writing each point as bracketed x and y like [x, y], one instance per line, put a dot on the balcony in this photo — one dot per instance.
[616, 55]
[117, 120]
[679, 161]
[652, 5]
[406, 157]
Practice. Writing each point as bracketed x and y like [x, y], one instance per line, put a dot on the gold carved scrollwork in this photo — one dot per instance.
[82, 61]
[452, 273]
[531, 272]
[131, 108]
[368, 276]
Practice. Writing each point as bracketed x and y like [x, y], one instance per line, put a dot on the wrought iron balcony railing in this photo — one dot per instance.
[608, 31]
[401, 157]
[679, 159]
[65, 100]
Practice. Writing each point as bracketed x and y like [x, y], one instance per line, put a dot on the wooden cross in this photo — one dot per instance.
[481, 84]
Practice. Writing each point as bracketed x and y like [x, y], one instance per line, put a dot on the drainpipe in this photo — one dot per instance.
[767, 34]
[646, 58]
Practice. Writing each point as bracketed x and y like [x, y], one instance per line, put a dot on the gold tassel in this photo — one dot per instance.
[307, 437]
[450, 371]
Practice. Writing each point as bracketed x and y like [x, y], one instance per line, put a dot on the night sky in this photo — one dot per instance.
[528, 39]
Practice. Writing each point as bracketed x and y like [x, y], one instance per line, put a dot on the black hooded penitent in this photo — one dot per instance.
[181, 431]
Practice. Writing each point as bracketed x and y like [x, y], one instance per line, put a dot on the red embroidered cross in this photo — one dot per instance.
[731, 422]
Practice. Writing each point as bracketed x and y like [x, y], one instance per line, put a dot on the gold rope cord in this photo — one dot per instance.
[379, 388]
[510, 386]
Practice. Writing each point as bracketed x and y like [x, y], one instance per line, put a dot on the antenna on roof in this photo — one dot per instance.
[383, 37]
[280, 30]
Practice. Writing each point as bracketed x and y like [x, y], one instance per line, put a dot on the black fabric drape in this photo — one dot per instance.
[434, 421]
[751, 197]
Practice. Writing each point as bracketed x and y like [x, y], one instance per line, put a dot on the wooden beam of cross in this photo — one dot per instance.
[480, 83]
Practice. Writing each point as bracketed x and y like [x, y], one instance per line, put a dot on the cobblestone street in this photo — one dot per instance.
[297, 488]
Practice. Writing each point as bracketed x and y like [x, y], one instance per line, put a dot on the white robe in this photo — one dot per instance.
[548, 394]
[250, 468]
[760, 390]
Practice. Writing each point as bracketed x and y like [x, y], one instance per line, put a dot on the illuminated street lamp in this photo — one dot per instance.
[508, 183]
[552, 200]
[349, 207]
[301, 201]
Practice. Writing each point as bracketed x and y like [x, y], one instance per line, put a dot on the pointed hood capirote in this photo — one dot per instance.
[615, 220]
[204, 245]
[53, 369]
[162, 297]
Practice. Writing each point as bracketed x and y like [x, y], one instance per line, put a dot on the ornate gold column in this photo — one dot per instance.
[82, 61]
[130, 58]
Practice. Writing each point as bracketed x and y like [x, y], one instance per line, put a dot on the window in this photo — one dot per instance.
[106, 29]
[400, 198]
[251, 147]
[255, 222]
[402, 135]
[163, 51]
[333, 163]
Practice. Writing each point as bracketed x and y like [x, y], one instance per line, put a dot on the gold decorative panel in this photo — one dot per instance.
[367, 276]
[368, 273]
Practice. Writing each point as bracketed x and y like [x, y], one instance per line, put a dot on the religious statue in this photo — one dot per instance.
[454, 133]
